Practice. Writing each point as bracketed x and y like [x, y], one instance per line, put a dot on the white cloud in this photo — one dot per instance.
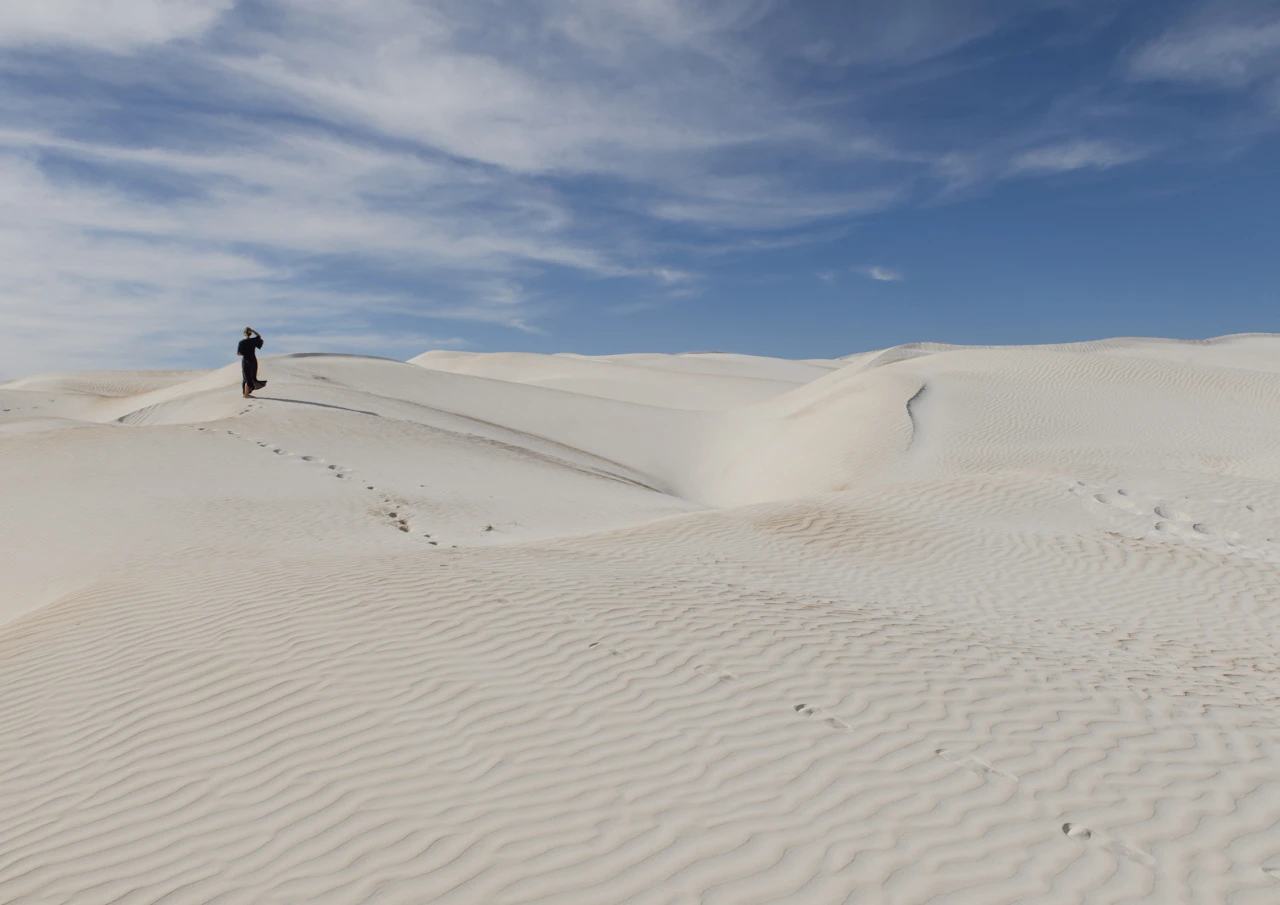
[501, 102]
[113, 25]
[670, 276]
[1078, 154]
[494, 301]
[882, 274]
[1227, 45]
[655, 93]
[311, 196]
[765, 202]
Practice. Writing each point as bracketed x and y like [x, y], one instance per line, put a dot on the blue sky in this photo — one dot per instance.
[804, 178]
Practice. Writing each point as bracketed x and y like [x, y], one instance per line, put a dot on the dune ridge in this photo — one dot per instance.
[932, 624]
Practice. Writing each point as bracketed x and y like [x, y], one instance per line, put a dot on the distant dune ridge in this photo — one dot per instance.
[931, 624]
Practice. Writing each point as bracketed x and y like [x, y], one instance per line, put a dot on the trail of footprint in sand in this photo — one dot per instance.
[388, 507]
[401, 523]
[1208, 522]
[1075, 831]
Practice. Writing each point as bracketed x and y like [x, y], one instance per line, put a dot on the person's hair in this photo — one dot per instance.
[248, 331]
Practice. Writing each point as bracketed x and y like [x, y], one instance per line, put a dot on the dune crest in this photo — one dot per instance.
[927, 624]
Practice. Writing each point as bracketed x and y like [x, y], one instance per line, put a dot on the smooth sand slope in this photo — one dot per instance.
[931, 624]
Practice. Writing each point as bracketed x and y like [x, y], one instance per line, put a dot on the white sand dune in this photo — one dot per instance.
[705, 381]
[931, 624]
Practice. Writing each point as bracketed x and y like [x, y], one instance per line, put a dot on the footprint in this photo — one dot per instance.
[310, 458]
[613, 650]
[1102, 840]
[820, 714]
[976, 764]
[1272, 870]
[718, 674]
[1075, 831]
[1172, 513]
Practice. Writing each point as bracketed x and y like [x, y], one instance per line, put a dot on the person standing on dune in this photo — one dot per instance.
[248, 352]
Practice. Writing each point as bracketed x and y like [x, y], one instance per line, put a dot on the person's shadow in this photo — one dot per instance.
[323, 405]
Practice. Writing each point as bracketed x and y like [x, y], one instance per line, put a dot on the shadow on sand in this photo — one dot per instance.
[323, 405]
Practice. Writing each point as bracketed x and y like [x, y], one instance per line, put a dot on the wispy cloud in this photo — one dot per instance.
[1078, 154]
[882, 274]
[1225, 45]
[306, 228]
[113, 25]
[171, 167]
[670, 276]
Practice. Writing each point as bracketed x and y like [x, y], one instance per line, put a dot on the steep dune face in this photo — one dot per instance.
[951, 412]
[848, 428]
[983, 626]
